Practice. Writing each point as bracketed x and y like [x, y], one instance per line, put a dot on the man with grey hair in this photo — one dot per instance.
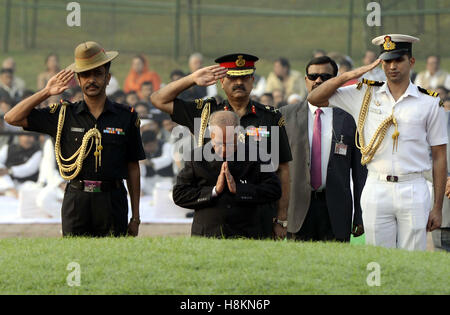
[196, 63]
[17, 85]
[225, 191]
[224, 118]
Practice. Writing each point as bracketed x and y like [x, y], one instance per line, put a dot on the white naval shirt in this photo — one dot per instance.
[326, 133]
[421, 124]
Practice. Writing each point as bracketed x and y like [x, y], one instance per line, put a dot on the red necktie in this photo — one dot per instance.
[316, 152]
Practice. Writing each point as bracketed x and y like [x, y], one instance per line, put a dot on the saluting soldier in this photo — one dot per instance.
[236, 75]
[97, 145]
[397, 123]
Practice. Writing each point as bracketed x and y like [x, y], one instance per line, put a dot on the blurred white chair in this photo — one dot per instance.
[164, 206]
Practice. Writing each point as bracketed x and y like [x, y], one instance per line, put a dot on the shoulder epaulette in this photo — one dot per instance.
[428, 92]
[268, 108]
[200, 102]
[369, 83]
[123, 107]
[431, 93]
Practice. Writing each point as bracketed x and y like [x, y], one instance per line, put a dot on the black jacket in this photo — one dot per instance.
[340, 200]
[227, 215]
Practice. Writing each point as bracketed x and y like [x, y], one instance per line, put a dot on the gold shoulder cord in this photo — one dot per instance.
[81, 153]
[369, 151]
[204, 122]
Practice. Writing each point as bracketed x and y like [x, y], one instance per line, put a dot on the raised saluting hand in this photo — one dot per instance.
[59, 82]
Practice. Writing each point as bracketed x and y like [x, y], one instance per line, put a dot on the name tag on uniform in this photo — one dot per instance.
[74, 129]
[375, 110]
[340, 147]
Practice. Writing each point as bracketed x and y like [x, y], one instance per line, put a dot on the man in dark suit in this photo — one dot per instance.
[323, 147]
[224, 186]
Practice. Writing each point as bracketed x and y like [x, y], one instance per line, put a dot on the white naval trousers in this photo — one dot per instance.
[395, 215]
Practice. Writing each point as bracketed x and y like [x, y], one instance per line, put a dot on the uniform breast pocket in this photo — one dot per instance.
[376, 114]
[112, 139]
[114, 144]
[412, 130]
[71, 139]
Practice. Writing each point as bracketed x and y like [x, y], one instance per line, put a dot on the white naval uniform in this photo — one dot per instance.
[396, 214]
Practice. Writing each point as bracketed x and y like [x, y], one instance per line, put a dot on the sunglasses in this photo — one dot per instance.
[323, 76]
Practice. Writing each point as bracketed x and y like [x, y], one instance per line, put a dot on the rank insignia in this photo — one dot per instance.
[388, 43]
[240, 62]
[282, 122]
[432, 93]
[53, 107]
[241, 137]
[199, 103]
[429, 92]
[138, 123]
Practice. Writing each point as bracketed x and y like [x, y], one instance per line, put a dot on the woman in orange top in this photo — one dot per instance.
[139, 74]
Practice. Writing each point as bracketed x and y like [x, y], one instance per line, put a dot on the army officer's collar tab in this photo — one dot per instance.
[81, 106]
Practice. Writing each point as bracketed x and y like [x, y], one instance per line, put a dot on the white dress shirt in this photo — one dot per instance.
[23, 170]
[421, 124]
[327, 132]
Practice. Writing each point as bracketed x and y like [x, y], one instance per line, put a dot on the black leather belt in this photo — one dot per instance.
[319, 195]
[95, 186]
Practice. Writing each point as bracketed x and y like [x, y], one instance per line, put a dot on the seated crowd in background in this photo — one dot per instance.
[27, 161]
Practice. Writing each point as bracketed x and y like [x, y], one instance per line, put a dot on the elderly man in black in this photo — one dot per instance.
[225, 187]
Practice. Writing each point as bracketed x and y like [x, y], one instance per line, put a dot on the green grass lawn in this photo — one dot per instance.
[206, 266]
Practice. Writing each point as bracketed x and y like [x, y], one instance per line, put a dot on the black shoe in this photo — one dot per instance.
[190, 214]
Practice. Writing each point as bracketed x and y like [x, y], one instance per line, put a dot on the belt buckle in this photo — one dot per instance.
[92, 186]
[392, 179]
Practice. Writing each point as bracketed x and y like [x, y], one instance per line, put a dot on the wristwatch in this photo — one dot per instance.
[281, 222]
